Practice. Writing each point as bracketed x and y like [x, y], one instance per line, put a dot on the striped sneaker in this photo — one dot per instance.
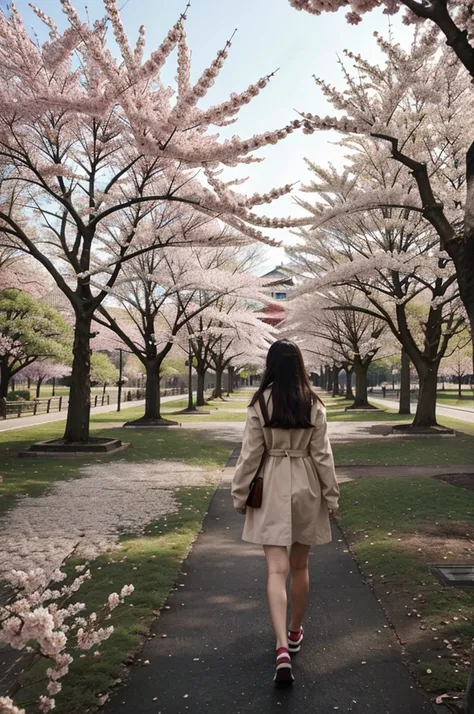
[283, 674]
[295, 640]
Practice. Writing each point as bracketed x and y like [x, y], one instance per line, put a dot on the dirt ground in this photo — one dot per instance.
[453, 542]
[462, 480]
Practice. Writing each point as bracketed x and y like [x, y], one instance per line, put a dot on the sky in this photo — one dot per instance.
[270, 35]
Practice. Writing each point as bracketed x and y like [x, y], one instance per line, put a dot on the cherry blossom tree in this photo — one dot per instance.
[43, 370]
[392, 260]
[454, 18]
[161, 293]
[202, 344]
[242, 338]
[418, 108]
[458, 364]
[367, 224]
[18, 271]
[91, 145]
[330, 328]
[203, 339]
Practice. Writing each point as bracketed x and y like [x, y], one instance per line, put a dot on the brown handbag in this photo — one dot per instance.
[254, 499]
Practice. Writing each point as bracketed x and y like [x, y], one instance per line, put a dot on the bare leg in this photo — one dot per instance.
[278, 569]
[299, 584]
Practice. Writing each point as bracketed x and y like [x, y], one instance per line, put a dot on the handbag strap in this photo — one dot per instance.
[264, 409]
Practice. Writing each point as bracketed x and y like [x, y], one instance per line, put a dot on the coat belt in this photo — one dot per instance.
[291, 453]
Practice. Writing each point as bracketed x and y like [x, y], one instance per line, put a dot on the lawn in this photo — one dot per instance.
[450, 397]
[151, 562]
[399, 451]
[219, 410]
[335, 410]
[395, 528]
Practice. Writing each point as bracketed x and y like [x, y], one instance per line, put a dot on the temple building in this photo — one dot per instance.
[279, 284]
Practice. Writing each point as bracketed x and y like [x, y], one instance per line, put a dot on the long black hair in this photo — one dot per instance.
[291, 389]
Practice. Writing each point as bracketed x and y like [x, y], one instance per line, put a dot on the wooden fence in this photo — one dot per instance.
[47, 405]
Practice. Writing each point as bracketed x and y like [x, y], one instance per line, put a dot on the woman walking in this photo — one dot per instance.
[285, 440]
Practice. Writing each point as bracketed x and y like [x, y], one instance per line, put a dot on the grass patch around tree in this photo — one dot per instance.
[450, 397]
[401, 451]
[395, 528]
[335, 410]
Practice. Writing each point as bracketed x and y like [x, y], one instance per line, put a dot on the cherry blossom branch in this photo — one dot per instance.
[40, 256]
[432, 209]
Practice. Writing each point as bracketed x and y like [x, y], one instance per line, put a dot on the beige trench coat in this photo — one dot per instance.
[297, 489]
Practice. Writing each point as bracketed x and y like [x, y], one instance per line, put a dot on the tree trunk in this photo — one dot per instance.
[28, 383]
[329, 380]
[38, 387]
[190, 406]
[426, 408]
[4, 382]
[230, 380]
[78, 413]
[54, 387]
[217, 394]
[152, 391]
[104, 390]
[5, 377]
[461, 250]
[404, 405]
[459, 386]
[201, 376]
[349, 393]
[335, 380]
[361, 401]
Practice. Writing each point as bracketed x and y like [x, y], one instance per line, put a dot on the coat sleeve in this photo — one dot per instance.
[253, 445]
[321, 453]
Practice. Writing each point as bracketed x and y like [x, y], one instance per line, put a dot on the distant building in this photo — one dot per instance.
[279, 281]
[279, 285]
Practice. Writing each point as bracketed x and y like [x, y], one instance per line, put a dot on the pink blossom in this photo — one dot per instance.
[113, 600]
[54, 687]
[7, 706]
[35, 616]
[127, 590]
[353, 18]
[46, 704]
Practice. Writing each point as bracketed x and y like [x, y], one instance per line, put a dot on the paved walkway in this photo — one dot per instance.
[217, 657]
[463, 413]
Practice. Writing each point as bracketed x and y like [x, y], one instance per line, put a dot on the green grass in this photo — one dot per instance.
[216, 416]
[378, 516]
[220, 410]
[450, 397]
[398, 451]
[335, 409]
